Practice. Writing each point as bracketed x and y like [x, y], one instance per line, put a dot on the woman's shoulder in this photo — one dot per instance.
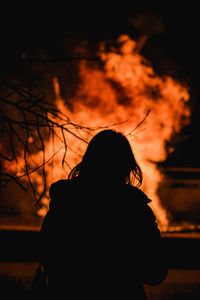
[59, 186]
[139, 201]
[137, 194]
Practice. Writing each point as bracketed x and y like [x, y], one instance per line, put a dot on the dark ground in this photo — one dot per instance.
[16, 279]
[19, 261]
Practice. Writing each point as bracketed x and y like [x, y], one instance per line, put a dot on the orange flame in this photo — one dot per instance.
[120, 95]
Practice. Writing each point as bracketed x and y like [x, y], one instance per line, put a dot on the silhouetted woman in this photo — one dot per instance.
[100, 237]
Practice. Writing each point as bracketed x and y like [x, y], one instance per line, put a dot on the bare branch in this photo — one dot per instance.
[140, 123]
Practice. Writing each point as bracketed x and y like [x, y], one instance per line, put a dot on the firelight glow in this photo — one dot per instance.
[119, 95]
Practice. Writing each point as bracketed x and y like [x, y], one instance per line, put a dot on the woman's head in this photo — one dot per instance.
[108, 157]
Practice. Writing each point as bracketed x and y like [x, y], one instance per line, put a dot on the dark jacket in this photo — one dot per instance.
[101, 241]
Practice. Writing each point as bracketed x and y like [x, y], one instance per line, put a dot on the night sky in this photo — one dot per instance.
[176, 40]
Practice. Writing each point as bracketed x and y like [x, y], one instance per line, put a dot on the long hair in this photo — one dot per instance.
[108, 157]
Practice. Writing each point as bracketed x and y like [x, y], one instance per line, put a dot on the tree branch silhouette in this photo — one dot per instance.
[25, 114]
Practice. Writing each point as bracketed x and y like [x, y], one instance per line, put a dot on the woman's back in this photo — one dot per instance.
[100, 239]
